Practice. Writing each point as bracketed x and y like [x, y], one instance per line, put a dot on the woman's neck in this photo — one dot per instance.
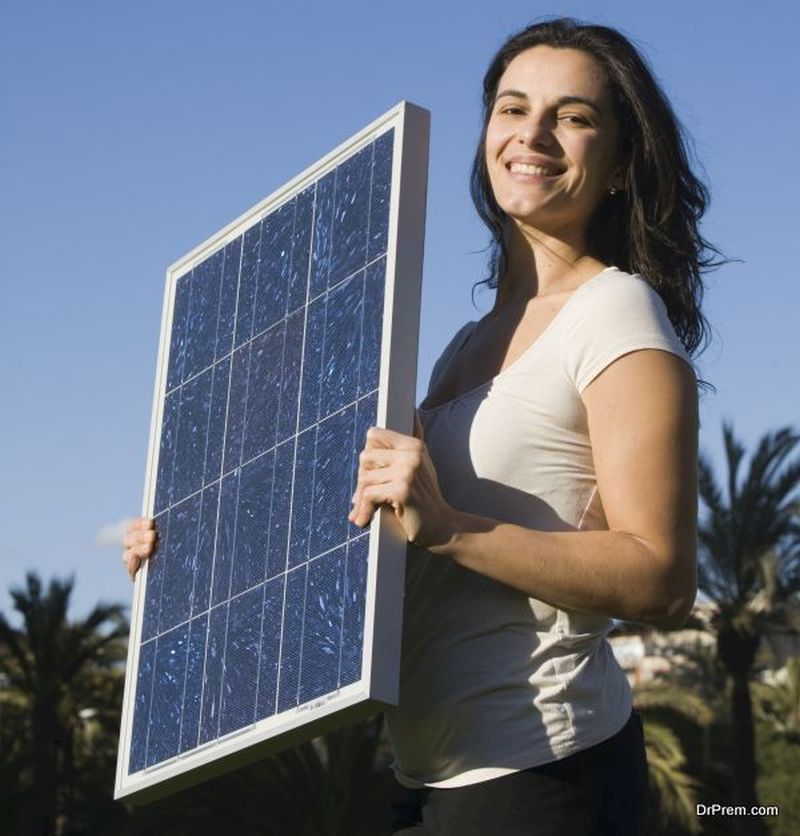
[539, 265]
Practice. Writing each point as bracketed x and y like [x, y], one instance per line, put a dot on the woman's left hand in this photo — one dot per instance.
[396, 470]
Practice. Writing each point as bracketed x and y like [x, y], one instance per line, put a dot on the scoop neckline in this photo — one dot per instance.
[529, 350]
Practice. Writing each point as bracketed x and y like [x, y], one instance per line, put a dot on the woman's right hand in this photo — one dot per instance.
[140, 543]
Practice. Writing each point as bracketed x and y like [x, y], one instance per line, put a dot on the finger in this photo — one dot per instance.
[379, 476]
[139, 537]
[371, 458]
[381, 437]
[372, 497]
[384, 467]
[362, 512]
[372, 476]
[141, 524]
[368, 498]
[142, 552]
[132, 563]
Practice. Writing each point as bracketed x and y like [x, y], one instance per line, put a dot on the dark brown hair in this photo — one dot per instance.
[651, 225]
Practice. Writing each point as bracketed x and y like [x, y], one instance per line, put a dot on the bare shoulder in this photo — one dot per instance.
[642, 413]
[644, 383]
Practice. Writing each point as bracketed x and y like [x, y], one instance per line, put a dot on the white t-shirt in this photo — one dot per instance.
[493, 681]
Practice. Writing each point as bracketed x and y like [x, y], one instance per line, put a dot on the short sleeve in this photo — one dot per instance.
[616, 313]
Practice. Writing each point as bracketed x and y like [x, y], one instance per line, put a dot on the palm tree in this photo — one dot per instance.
[749, 567]
[335, 785]
[778, 702]
[55, 669]
[672, 790]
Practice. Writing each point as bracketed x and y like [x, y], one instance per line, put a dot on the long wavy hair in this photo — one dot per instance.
[651, 225]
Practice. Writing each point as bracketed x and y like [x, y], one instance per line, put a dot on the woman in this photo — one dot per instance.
[552, 483]
[556, 485]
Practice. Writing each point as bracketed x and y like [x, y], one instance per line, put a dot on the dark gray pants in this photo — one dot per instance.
[601, 791]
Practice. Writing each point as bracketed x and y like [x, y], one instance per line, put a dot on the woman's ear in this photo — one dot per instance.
[617, 183]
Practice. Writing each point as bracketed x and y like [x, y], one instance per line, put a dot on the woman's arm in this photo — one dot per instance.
[642, 414]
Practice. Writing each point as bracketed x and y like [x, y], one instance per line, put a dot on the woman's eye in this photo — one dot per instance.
[573, 119]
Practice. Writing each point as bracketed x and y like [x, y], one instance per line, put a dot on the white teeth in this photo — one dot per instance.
[526, 168]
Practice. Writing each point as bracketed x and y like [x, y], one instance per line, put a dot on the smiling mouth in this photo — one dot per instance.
[528, 168]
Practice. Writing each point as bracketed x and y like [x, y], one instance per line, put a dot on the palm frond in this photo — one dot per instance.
[768, 458]
[734, 453]
[760, 517]
[709, 492]
[778, 703]
[675, 791]
[17, 664]
[55, 668]
[673, 697]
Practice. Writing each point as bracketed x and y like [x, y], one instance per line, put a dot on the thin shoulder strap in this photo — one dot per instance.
[451, 349]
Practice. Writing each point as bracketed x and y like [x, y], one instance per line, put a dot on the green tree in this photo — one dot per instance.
[749, 567]
[62, 681]
[334, 785]
[778, 703]
[778, 757]
[673, 791]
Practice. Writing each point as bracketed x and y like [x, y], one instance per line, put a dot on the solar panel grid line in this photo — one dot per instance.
[188, 627]
[177, 643]
[282, 195]
[229, 596]
[168, 315]
[279, 687]
[226, 642]
[319, 416]
[351, 485]
[264, 591]
[303, 344]
[316, 437]
[245, 461]
[255, 335]
[239, 257]
[198, 492]
[202, 695]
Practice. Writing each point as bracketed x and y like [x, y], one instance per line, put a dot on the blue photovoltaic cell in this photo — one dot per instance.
[255, 597]
[213, 674]
[227, 303]
[201, 323]
[141, 708]
[294, 606]
[270, 647]
[243, 636]
[322, 626]
[166, 702]
[179, 559]
[193, 686]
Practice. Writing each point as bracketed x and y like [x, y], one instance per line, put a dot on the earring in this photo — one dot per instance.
[612, 190]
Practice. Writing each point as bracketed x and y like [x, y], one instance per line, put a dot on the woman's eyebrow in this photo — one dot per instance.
[565, 100]
[517, 94]
[562, 100]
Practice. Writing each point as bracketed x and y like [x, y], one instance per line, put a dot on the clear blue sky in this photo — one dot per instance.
[129, 132]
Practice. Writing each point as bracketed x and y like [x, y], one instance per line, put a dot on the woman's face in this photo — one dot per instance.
[552, 140]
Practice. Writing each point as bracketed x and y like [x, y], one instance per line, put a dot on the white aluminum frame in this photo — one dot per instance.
[379, 683]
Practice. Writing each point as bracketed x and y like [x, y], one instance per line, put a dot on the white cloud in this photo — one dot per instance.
[111, 535]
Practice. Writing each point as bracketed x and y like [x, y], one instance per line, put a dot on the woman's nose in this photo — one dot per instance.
[535, 131]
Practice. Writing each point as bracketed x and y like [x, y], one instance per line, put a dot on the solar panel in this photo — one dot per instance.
[264, 616]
